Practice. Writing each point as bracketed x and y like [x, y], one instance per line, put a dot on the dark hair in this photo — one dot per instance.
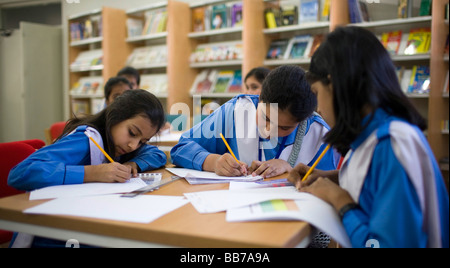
[362, 74]
[128, 105]
[130, 71]
[260, 73]
[112, 82]
[287, 86]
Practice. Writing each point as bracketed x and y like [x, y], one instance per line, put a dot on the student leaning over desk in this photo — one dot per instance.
[389, 191]
[267, 140]
[122, 129]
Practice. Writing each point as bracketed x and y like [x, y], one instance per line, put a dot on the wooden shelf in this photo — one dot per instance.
[148, 37]
[87, 41]
[299, 27]
[215, 32]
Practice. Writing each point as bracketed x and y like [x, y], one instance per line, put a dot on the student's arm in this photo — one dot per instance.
[149, 157]
[56, 164]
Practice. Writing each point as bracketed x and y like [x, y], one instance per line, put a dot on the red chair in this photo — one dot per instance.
[12, 153]
[54, 131]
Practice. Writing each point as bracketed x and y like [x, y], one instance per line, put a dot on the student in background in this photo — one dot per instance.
[254, 79]
[389, 191]
[123, 129]
[295, 137]
[132, 75]
[115, 87]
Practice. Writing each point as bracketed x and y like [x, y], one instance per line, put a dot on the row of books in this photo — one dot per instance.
[359, 11]
[417, 41]
[87, 59]
[302, 46]
[215, 81]
[217, 52]
[155, 22]
[155, 83]
[219, 16]
[149, 55]
[89, 28]
[83, 107]
[415, 80]
[296, 12]
[90, 85]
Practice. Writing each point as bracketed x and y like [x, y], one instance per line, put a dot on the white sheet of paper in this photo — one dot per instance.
[221, 200]
[140, 209]
[310, 209]
[85, 189]
[191, 174]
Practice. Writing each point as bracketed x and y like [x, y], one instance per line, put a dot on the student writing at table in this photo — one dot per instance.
[268, 140]
[389, 191]
[122, 129]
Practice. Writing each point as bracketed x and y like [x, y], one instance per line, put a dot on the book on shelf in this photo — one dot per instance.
[445, 88]
[204, 81]
[198, 19]
[91, 85]
[87, 59]
[85, 29]
[277, 49]
[97, 104]
[358, 11]
[272, 17]
[236, 84]
[391, 41]
[236, 14]
[223, 81]
[155, 21]
[309, 11]
[156, 84]
[420, 80]
[217, 52]
[134, 27]
[144, 56]
[404, 77]
[425, 8]
[418, 42]
[219, 16]
[405, 8]
[80, 107]
[299, 46]
[289, 14]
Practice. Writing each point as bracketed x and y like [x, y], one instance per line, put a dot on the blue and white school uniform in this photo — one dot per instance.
[63, 162]
[391, 173]
[236, 119]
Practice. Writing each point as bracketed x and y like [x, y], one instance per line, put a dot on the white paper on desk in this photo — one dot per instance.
[309, 208]
[200, 177]
[222, 200]
[166, 137]
[85, 189]
[141, 209]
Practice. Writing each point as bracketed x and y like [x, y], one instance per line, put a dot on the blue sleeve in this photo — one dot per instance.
[149, 157]
[389, 206]
[328, 162]
[60, 163]
[204, 139]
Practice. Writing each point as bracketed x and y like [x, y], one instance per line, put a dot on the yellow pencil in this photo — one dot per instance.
[101, 149]
[315, 163]
[229, 148]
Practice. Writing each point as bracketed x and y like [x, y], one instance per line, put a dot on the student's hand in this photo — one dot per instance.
[226, 166]
[269, 169]
[328, 191]
[297, 173]
[134, 168]
[112, 172]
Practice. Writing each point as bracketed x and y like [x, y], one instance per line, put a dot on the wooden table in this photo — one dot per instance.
[183, 227]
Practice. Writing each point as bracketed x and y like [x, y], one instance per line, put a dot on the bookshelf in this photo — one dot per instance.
[94, 56]
[146, 40]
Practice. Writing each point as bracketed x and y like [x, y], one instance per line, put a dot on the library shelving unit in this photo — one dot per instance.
[147, 46]
[94, 57]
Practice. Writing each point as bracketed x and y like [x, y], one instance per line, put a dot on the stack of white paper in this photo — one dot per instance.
[140, 209]
[202, 177]
[247, 203]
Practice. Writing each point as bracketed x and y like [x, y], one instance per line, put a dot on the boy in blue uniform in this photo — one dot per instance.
[267, 139]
